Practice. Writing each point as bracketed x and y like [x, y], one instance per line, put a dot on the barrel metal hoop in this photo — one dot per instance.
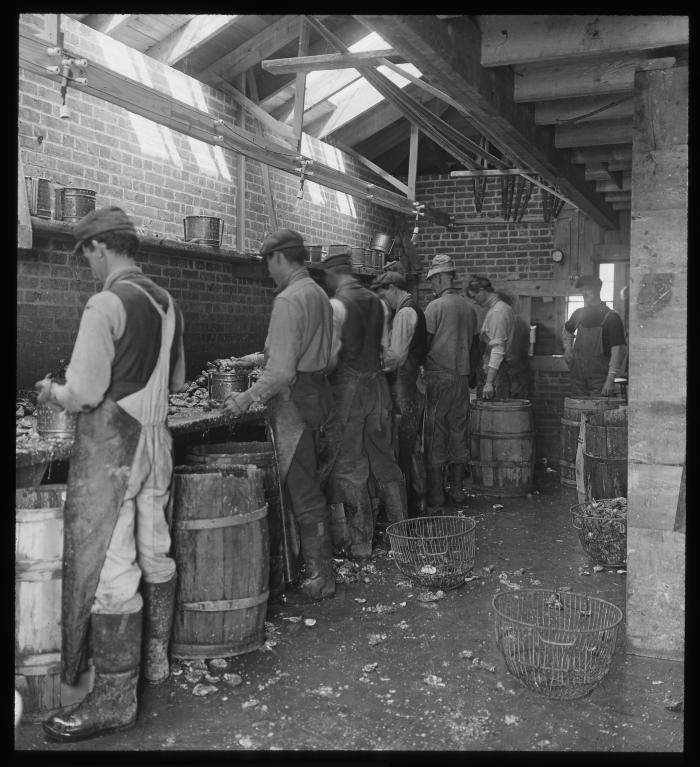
[38, 515]
[218, 522]
[509, 435]
[222, 605]
[38, 569]
[38, 665]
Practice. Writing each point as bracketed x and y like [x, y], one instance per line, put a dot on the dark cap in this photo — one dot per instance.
[338, 259]
[589, 281]
[101, 221]
[389, 278]
[281, 240]
[479, 283]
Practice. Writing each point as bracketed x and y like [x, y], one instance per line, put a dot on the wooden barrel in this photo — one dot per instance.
[220, 546]
[38, 578]
[502, 447]
[574, 407]
[262, 455]
[605, 454]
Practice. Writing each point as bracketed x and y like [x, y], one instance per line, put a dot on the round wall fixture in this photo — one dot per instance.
[557, 256]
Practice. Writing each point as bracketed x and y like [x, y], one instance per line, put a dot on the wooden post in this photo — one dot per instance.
[657, 364]
[300, 83]
[24, 222]
[413, 161]
[240, 182]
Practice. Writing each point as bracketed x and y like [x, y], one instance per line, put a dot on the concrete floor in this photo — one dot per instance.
[309, 689]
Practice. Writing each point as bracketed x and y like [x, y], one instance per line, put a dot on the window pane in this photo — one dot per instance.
[606, 272]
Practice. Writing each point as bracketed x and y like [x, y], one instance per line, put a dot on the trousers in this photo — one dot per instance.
[446, 412]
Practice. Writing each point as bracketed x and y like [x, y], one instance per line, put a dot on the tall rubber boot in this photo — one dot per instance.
[111, 704]
[316, 548]
[456, 494]
[159, 607]
[395, 503]
[436, 495]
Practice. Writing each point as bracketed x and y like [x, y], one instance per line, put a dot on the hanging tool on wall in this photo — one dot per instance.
[551, 206]
[523, 190]
[416, 229]
[303, 173]
[507, 186]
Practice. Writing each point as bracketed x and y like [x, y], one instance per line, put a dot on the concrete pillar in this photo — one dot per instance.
[657, 367]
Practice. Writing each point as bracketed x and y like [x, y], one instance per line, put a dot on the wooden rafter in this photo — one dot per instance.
[325, 61]
[190, 36]
[107, 23]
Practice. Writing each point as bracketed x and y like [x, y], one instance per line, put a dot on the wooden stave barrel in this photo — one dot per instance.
[262, 455]
[511, 474]
[605, 454]
[38, 581]
[570, 423]
[216, 614]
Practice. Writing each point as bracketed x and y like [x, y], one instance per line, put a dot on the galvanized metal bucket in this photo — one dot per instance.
[205, 230]
[382, 242]
[223, 383]
[72, 203]
[39, 196]
[55, 424]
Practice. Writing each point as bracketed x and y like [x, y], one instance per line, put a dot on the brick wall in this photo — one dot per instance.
[548, 389]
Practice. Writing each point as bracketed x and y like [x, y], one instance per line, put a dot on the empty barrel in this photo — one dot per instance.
[605, 454]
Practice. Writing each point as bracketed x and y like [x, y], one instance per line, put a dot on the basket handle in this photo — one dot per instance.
[574, 521]
[557, 644]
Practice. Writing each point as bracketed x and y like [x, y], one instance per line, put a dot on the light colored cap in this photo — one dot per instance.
[441, 263]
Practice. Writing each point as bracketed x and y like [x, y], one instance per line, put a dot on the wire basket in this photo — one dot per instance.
[557, 644]
[603, 536]
[434, 551]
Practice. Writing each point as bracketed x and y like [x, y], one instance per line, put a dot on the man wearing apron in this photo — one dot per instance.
[596, 356]
[127, 356]
[359, 436]
[503, 372]
[403, 357]
[297, 353]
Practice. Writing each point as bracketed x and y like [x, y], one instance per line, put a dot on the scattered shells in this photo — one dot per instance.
[466, 654]
[431, 596]
[293, 619]
[598, 568]
[203, 689]
[497, 506]
[251, 703]
[218, 663]
[370, 667]
[233, 680]
[511, 719]
[375, 639]
[309, 622]
[360, 600]
[428, 570]
[434, 681]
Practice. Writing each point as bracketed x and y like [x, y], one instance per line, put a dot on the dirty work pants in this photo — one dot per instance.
[408, 409]
[301, 486]
[446, 411]
[140, 541]
[588, 375]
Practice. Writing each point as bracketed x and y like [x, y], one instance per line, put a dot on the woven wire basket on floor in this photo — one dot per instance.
[602, 530]
[434, 551]
[558, 644]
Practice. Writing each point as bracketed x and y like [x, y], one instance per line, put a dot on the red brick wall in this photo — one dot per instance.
[548, 389]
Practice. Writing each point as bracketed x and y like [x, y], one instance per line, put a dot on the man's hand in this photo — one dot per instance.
[237, 403]
[488, 391]
[608, 387]
[43, 397]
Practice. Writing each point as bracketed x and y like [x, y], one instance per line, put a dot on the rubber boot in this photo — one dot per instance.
[436, 495]
[394, 497]
[111, 704]
[360, 520]
[456, 494]
[316, 548]
[159, 607]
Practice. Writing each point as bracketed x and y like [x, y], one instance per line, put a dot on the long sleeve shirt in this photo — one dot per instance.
[498, 330]
[402, 330]
[298, 336]
[102, 324]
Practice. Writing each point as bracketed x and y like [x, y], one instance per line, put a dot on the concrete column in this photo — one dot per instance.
[657, 368]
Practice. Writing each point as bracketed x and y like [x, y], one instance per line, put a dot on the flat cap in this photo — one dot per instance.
[477, 283]
[101, 221]
[389, 278]
[281, 240]
[338, 259]
[441, 263]
[589, 280]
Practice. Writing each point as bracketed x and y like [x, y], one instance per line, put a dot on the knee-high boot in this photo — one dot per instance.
[436, 494]
[316, 548]
[159, 607]
[111, 704]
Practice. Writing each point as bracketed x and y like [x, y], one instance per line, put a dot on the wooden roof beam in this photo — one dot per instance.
[196, 32]
[615, 153]
[585, 109]
[325, 61]
[448, 57]
[593, 134]
[515, 39]
[107, 23]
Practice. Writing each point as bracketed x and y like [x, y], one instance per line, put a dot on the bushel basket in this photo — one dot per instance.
[602, 530]
[558, 644]
[434, 551]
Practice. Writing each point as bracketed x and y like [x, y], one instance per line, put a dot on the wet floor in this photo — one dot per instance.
[389, 665]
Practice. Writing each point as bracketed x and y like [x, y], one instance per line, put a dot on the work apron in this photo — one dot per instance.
[589, 366]
[307, 406]
[100, 466]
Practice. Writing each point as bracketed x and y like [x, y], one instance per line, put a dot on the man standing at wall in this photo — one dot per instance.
[452, 336]
[128, 354]
[504, 341]
[402, 359]
[297, 355]
[596, 356]
[360, 436]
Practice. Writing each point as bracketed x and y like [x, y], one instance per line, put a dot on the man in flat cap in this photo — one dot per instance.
[403, 358]
[451, 325]
[127, 356]
[360, 434]
[294, 382]
[503, 372]
[594, 342]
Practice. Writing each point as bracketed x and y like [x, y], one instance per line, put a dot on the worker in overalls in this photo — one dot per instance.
[127, 356]
[402, 360]
[359, 436]
[294, 383]
[503, 372]
[594, 342]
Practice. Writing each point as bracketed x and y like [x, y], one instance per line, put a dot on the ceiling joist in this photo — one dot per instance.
[326, 61]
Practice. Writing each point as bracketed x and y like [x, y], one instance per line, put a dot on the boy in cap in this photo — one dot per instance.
[127, 356]
[403, 358]
[451, 325]
[594, 342]
[360, 435]
[293, 381]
